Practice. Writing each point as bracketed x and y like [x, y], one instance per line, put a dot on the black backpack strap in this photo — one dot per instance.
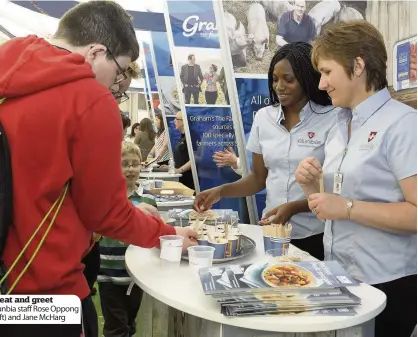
[6, 200]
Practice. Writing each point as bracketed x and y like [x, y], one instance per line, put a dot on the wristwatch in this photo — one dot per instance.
[349, 207]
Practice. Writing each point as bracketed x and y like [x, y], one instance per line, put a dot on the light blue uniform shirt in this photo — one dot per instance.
[282, 152]
[381, 152]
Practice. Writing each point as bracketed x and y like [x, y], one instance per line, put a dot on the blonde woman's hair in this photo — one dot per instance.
[131, 148]
[133, 70]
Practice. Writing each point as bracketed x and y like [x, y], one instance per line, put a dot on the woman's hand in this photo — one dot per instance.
[308, 171]
[278, 215]
[328, 206]
[204, 200]
[226, 158]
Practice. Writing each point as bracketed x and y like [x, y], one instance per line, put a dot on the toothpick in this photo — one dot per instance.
[321, 184]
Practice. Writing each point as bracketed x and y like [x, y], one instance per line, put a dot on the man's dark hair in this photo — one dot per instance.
[126, 121]
[104, 22]
[190, 57]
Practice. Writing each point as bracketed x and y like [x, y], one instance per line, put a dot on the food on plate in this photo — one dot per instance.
[287, 275]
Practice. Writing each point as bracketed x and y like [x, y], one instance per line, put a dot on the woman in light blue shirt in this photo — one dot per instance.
[293, 127]
[369, 173]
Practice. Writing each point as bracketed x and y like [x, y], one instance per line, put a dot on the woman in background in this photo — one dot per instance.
[134, 131]
[145, 137]
[211, 77]
[160, 149]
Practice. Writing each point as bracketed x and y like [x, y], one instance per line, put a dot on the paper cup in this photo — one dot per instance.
[220, 248]
[171, 248]
[280, 243]
[232, 246]
[267, 243]
[203, 240]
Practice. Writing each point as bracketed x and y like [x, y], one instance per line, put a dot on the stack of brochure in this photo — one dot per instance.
[276, 288]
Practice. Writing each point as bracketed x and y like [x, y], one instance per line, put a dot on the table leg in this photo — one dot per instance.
[159, 320]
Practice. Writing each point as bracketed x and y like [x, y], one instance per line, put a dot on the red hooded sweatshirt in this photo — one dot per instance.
[63, 125]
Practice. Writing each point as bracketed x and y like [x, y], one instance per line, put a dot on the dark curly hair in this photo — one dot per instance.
[299, 56]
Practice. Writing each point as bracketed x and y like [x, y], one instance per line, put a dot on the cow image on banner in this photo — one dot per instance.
[256, 30]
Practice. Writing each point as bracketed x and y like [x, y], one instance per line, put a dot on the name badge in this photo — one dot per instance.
[338, 182]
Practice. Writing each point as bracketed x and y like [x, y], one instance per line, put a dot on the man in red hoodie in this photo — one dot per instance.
[63, 124]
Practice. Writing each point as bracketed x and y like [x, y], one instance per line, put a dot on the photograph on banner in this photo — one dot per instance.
[169, 95]
[202, 76]
[211, 130]
[256, 29]
[405, 64]
[193, 24]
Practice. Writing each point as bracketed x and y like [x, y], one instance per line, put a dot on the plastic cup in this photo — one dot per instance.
[146, 185]
[200, 256]
[171, 248]
[158, 183]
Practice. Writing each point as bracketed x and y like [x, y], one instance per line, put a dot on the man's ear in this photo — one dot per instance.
[94, 51]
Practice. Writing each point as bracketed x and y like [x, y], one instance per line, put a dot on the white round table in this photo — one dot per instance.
[160, 175]
[181, 289]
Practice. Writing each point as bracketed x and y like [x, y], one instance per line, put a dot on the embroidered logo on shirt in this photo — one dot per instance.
[372, 136]
[309, 141]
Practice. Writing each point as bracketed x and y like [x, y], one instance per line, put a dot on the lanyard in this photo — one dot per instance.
[338, 176]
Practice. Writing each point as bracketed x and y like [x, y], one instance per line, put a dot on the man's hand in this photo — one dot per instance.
[148, 209]
[204, 200]
[279, 215]
[189, 235]
[226, 158]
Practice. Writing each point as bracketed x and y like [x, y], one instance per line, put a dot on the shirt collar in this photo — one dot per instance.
[367, 108]
[306, 111]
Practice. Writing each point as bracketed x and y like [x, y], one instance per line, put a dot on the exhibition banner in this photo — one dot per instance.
[169, 101]
[211, 130]
[405, 64]
[193, 24]
[162, 53]
[253, 94]
[199, 68]
[150, 68]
